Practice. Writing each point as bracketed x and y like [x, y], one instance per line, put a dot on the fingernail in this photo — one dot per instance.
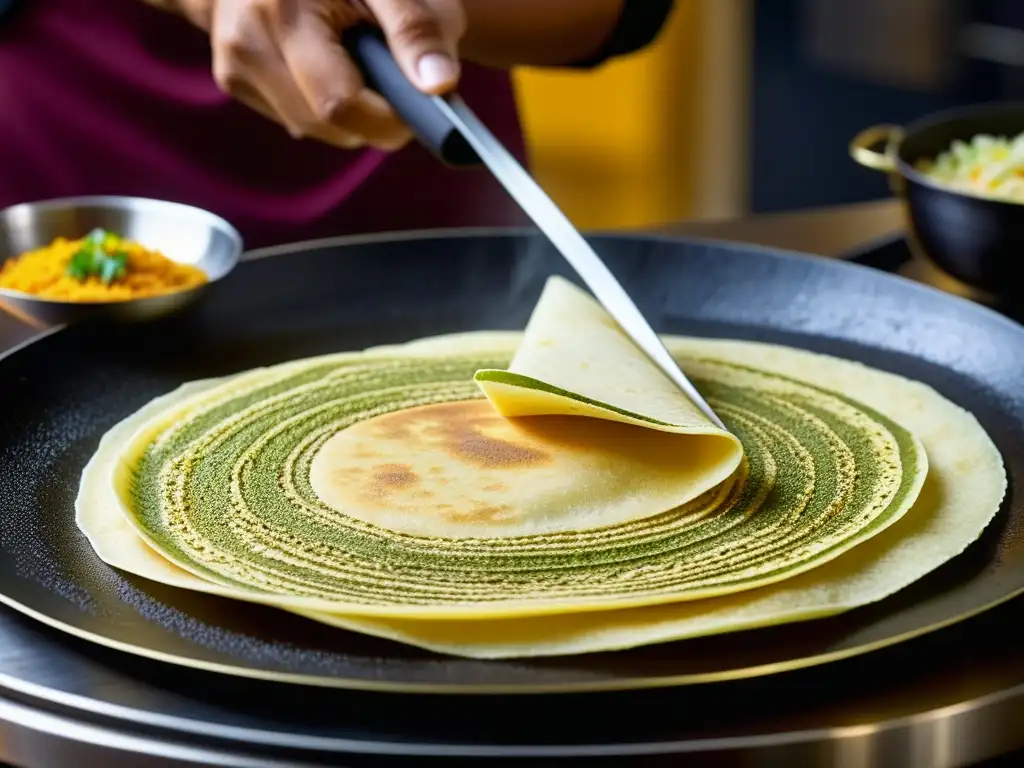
[436, 70]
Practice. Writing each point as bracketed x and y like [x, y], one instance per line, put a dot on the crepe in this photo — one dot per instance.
[221, 478]
[965, 484]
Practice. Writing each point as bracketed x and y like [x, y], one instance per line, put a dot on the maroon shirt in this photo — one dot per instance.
[116, 97]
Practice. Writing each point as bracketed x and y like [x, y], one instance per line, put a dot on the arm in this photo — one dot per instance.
[283, 57]
[506, 33]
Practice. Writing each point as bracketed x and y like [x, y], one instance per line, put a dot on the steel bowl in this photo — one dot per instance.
[977, 240]
[183, 233]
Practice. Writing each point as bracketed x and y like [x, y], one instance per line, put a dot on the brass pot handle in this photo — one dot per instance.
[862, 147]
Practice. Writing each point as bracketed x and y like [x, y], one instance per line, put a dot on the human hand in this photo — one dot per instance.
[283, 58]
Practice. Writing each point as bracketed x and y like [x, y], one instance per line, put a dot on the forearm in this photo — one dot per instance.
[504, 33]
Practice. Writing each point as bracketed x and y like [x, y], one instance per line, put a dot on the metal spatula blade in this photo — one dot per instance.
[450, 129]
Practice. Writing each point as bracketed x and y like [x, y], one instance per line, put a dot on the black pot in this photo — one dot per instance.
[978, 240]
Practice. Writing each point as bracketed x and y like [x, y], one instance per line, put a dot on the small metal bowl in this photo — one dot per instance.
[185, 234]
[977, 240]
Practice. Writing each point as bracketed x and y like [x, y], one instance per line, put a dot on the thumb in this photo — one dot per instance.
[423, 38]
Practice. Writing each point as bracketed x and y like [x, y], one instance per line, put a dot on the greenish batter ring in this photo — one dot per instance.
[227, 492]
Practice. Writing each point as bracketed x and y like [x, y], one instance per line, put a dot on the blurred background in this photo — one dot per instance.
[747, 107]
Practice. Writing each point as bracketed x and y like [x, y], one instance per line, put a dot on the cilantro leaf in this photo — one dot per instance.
[112, 267]
[98, 257]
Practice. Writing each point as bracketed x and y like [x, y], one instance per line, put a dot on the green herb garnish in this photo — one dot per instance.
[100, 256]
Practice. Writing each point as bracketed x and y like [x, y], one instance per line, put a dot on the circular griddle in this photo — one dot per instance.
[62, 392]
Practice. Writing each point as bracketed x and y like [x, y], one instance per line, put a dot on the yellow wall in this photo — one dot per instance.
[615, 147]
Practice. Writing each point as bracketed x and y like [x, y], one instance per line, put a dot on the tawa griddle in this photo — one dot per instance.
[934, 700]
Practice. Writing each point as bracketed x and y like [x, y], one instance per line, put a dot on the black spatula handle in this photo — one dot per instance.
[421, 112]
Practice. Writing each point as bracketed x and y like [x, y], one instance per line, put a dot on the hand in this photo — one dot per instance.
[283, 58]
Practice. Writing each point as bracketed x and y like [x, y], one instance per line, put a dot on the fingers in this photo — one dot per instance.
[283, 59]
[248, 65]
[424, 37]
[331, 83]
[199, 12]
